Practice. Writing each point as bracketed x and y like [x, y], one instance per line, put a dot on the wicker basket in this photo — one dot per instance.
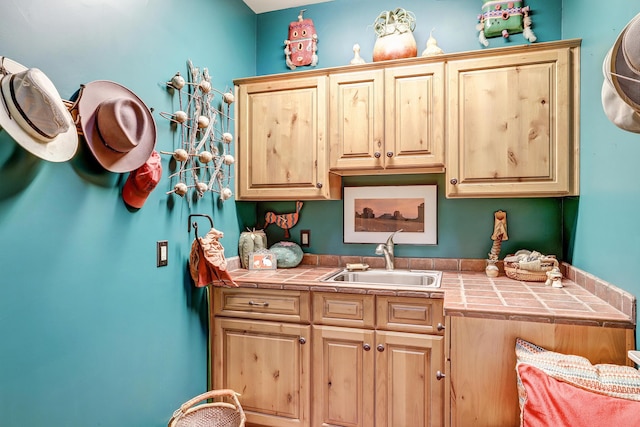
[212, 414]
[514, 271]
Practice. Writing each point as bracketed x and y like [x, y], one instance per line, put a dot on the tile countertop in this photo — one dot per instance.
[473, 294]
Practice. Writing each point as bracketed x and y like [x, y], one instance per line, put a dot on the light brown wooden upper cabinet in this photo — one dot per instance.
[281, 132]
[512, 125]
[387, 120]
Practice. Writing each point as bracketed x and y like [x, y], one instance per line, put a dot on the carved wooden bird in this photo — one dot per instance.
[284, 221]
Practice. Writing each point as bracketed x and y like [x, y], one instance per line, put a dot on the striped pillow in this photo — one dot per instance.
[606, 379]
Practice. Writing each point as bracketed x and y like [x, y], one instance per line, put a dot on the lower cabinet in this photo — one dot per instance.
[319, 359]
[268, 363]
[482, 362]
[376, 378]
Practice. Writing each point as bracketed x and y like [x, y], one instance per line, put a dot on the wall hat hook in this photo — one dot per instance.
[195, 224]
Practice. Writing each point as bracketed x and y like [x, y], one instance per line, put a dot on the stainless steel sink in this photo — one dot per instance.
[411, 278]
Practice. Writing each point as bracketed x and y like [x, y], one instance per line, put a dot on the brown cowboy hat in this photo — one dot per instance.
[117, 125]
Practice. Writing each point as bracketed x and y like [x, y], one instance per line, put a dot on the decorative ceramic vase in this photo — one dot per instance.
[394, 29]
[288, 254]
[395, 46]
[491, 269]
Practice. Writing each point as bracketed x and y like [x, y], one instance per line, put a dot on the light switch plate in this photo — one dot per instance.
[305, 238]
[162, 253]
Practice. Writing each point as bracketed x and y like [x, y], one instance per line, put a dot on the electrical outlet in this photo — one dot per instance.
[162, 253]
[305, 238]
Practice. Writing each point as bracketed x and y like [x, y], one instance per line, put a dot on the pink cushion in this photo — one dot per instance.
[548, 402]
[557, 390]
[608, 379]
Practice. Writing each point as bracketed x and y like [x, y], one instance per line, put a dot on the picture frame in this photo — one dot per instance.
[262, 260]
[371, 214]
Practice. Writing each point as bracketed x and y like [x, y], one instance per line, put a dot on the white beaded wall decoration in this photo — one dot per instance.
[203, 155]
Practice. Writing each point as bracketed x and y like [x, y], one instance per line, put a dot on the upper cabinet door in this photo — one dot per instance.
[387, 120]
[414, 112]
[512, 125]
[356, 117]
[281, 126]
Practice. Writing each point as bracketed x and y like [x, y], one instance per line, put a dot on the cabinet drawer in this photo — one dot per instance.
[265, 304]
[410, 315]
[338, 309]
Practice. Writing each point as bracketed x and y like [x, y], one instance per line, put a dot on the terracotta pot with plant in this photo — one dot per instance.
[394, 29]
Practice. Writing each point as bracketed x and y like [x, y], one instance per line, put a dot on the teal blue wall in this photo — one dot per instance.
[464, 226]
[91, 332]
[341, 23]
[603, 238]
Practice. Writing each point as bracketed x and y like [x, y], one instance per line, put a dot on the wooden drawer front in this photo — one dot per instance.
[343, 310]
[410, 315]
[263, 304]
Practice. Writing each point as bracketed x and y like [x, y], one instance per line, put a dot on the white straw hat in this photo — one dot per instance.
[624, 64]
[617, 111]
[33, 113]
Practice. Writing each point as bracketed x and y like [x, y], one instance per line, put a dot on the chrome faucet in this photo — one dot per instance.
[386, 249]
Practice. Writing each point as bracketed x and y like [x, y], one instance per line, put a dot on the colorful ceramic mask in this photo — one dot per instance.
[502, 18]
[300, 47]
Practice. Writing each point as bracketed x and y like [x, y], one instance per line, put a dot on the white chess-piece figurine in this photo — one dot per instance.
[357, 59]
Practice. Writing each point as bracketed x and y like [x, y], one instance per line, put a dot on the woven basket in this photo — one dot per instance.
[211, 414]
[514, 271]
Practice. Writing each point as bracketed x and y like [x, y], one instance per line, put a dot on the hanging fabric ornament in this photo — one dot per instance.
[207, 263]
[300, 48]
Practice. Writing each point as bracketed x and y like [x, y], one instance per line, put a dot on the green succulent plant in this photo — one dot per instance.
[394, 21]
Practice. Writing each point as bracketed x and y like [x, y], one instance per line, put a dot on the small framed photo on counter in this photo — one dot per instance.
[262, 260]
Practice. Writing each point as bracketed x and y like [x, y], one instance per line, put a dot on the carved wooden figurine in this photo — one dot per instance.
[499, 234]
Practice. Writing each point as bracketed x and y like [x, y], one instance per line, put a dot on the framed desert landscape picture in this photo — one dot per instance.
[371, 214]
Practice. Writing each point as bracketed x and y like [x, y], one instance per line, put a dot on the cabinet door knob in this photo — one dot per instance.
[380, 347]
[302, 340]
[389, 153]
[454, 181]
[261, 304]
[440, 327]
[376, 154]
[440, 375]
[366, 347]
[319, 185]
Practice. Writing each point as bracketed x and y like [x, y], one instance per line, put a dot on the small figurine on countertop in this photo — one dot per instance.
[250, 241]
[503, 18]
[554, 278]
[300, 48]
[432, 48]
[499, 234]
[357, 59]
